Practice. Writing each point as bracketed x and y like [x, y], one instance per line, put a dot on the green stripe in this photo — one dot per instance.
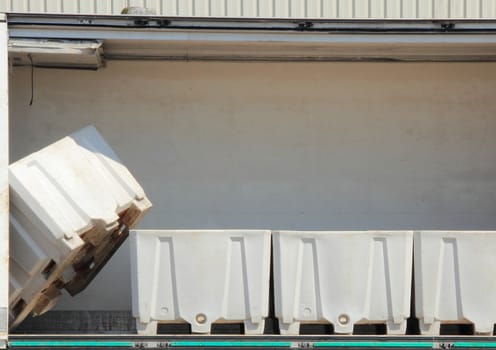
[240, 344]
[227, 344]
[76, 343]
[474, 344]
[372, 344]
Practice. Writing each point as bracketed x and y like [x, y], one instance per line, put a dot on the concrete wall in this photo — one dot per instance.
[278, 145]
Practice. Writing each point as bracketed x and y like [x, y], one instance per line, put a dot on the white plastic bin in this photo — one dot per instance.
[71, 206]
[450, 286]
[342, 278]
[200, 277]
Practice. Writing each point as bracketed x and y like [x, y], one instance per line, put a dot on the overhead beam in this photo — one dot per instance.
[160, 38]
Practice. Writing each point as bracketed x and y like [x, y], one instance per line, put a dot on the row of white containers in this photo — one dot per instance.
[341, 278]
[71, 205]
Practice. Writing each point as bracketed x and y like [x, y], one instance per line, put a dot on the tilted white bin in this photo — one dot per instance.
[455, 279]
[71, 205]
[343, 278]
[200, 277]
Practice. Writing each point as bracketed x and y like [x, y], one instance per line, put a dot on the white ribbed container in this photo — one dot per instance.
[71, 205]
[200, 277]
[449, 284]
[343, 278]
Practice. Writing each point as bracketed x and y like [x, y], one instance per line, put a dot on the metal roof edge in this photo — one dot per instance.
[230, 23]
[186, 38]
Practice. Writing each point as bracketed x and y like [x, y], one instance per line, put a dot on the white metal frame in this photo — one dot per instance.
[470, 41]
[4, 184]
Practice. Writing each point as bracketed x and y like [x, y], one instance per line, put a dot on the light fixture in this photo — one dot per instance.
[80, 54]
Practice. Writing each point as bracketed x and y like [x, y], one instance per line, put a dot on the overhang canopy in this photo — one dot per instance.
[84, 41]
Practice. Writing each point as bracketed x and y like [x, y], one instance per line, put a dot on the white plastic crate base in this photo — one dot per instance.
[454, 279]
[200, 277]
[71, 206]
[342, 278]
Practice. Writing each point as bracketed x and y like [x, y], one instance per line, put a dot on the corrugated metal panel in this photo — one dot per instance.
[270, 8]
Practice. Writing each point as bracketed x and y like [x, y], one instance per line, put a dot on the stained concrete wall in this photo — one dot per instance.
[278, 145]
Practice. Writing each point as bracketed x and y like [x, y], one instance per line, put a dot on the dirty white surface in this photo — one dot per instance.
[343, 278]
[294, 146]
[454, 281]
[200, 277]
[68, 201]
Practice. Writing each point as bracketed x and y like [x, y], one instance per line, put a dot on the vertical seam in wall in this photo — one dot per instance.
[337, 9]
[481, 4]
[321, 9]
[385, 8]
[353, 7]
[369, 9]
[225, 10]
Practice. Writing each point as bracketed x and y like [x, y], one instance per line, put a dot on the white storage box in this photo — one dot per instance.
[342, 278]
[200, 277]
[71, 206]
[449, 284]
